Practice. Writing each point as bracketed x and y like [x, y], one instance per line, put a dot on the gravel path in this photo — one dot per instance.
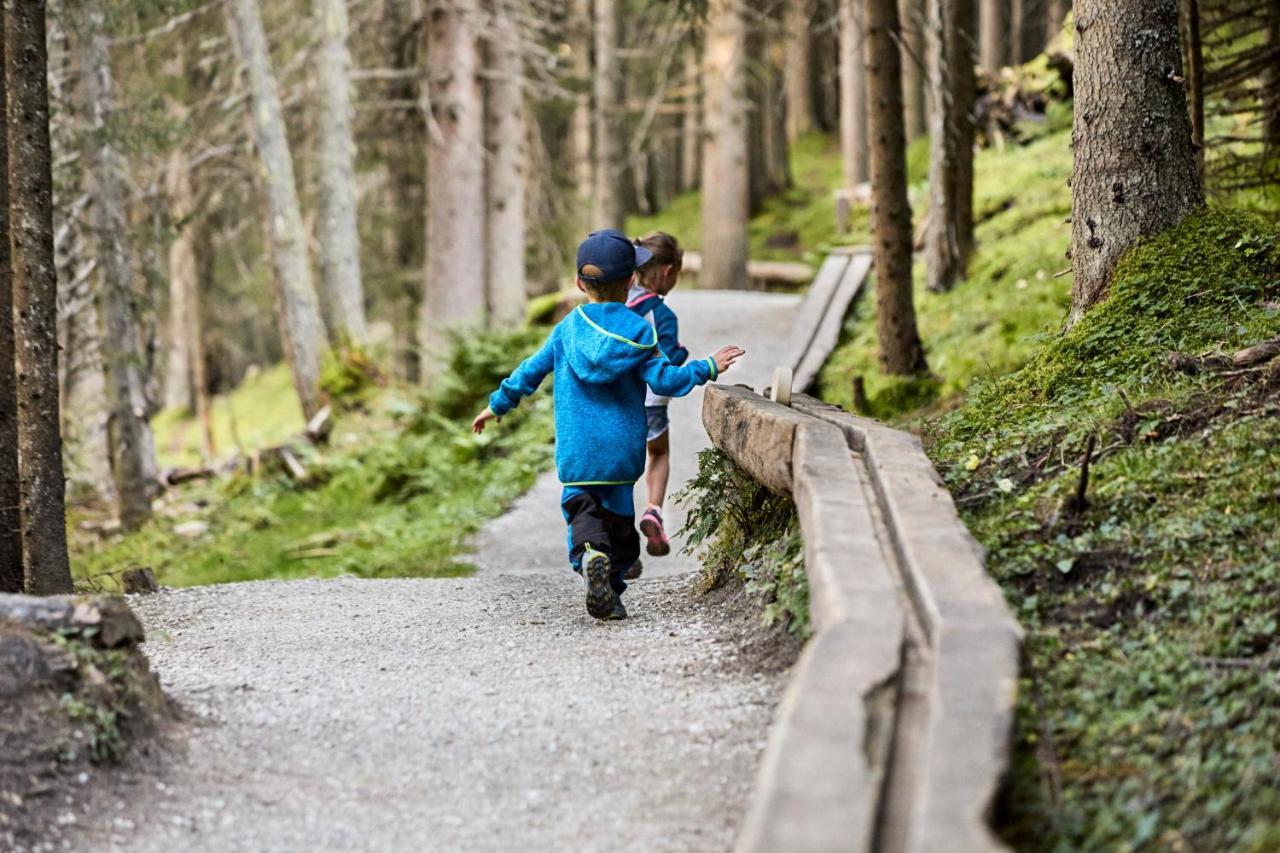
[484, 713]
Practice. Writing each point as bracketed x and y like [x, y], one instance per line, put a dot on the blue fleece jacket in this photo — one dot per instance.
[602, 355]
[645, 302]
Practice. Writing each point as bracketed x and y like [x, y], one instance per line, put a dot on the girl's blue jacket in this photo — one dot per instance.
[602, 356]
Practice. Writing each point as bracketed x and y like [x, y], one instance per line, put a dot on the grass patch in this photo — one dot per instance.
[397, 494]
[1148, 708]
[748, 535]
[262, 411]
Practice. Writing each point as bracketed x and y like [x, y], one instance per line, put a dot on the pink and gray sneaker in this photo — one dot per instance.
[651, 526]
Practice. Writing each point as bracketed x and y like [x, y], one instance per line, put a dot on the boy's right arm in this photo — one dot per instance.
[525, 379]
[668, 380]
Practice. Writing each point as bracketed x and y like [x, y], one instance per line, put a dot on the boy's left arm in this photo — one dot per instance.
[668, 380]
[664, 320]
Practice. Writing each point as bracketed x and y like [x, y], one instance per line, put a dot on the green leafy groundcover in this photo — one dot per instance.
[397, 494]
[749, 535]
[1149, 709]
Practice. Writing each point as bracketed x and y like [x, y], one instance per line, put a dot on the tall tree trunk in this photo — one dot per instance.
[853, 93]
[199, 364]
[900, 349]
[691, 125]
[1017, 15]
[949, 235]
[991, 34]
[301, 328]
[454, 297]
[1134, 170]
[797, 68]
[178, 390]
[186, 332]
[608, 203]
[773, 106]
[46, 566]
[402, 154]
[1271, 81]
[1193, 56]
[911, 14]
[507, 163]
[1056, 13]
[132, 446]
[339, 239]
[579, 32]
[10, 497]
[725, 157]
[826, 62]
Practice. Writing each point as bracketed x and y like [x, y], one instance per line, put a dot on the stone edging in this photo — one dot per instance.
[894, 730]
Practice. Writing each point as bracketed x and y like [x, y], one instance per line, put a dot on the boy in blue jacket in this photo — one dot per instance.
[602, 356]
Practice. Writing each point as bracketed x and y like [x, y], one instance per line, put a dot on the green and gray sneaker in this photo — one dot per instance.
[600, 597]
[619, 612]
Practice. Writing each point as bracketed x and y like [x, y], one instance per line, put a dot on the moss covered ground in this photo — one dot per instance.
[400, 487]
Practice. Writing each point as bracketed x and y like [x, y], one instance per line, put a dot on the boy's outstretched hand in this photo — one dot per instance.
[477, 425]
[726, 356]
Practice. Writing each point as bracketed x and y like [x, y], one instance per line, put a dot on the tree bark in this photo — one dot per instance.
[10, 497]
[581, 126]
[46, 566]
[508, 158]
[797, 68]
[1016, 20]
[454, 298]
[911, 14]
[691, 125]
[725, 157]
[1134, 170]
[186, 331]
[900, 349]
[339, 238]
[403, 153]
[608, 203]
[853, 94]
[949, 234]
[991, 34]
[1193, 56]
[133, 464]
[301, 327]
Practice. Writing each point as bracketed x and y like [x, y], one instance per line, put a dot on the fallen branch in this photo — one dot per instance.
[1250, 356]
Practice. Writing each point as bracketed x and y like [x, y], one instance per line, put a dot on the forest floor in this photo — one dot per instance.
[414, 714]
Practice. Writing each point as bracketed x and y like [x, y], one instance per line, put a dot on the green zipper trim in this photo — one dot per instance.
[602, 483]
[610, 334]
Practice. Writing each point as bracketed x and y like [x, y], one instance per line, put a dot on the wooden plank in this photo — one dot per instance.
[826, 334]
[809, 315]
[786, 272]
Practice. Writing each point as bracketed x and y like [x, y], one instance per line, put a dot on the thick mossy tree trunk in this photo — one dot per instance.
[949, 234]
[508, 155]
[133, 465]
[301, 327]
[339, 239]
[609, 202]
[46, 567]
[724, 155]
[900, 349]
[10, 517]
[797, 68]
[454, 297]
[1134, 171]
[853, 94]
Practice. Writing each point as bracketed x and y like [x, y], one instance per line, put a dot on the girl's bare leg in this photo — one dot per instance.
[659, 469]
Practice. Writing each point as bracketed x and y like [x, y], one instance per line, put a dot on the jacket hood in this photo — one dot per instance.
[604, 340]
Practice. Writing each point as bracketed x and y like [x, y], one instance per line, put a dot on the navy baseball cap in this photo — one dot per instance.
[612, 255]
